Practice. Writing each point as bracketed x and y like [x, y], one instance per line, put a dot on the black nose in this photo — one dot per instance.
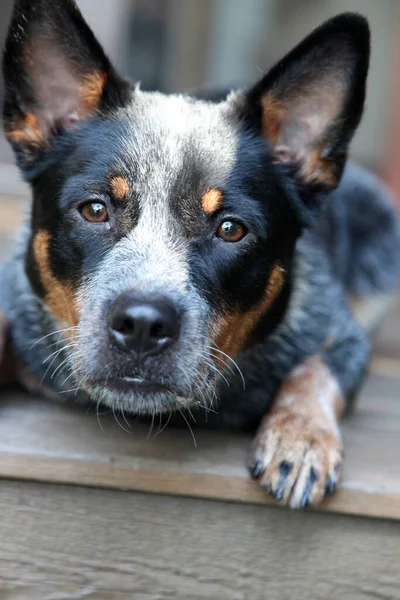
[142, 325]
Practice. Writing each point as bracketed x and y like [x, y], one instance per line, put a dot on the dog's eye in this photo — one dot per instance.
[94, 212]
[231, 231]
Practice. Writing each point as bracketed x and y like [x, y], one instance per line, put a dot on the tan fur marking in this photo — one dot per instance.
[274, 113]
[211, 201]
[317, 169]
[119, 187]
[25, 130]
[316, 387]
[313, 168]
[59, 298]
[29, 130]
[236, 328]
[92, 90]
[302, 431]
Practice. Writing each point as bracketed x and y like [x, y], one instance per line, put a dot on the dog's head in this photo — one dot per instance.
[163, 227]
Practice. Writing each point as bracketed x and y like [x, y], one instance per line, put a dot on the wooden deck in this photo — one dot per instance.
[104, 513]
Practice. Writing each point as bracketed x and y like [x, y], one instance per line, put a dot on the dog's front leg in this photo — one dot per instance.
[297, 453]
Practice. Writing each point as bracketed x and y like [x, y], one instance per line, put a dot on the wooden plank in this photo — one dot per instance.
[62, 543]
[63, 444]
[387, 339]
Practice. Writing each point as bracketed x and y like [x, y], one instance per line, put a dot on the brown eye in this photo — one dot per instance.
[94, 212]
[231, 231]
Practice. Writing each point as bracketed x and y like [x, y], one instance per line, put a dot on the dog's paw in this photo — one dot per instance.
[297, 459]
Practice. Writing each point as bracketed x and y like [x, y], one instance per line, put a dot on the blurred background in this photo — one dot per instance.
[174, 45]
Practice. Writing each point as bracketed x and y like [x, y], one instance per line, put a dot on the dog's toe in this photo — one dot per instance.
[297, 462]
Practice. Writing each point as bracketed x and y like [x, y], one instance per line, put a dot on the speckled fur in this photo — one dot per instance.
[274, 154]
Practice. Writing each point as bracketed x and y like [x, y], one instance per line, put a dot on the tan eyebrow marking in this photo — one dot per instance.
[119, 187]
[211, 201]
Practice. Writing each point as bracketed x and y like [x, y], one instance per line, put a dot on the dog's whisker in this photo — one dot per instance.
[224, 363]
[51, 364]
[214, 349]
[98, 416]
[60, 331]
[190, 429]
[124, 418]
[165, 425]
[159, 424]
[58, 352]
[118, 422]
[60, 366]
[60, 340]
[67, 378]
[214, 368]
[191, 415]
[72, 391]
[151, 426]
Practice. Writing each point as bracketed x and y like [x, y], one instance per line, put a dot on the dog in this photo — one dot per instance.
[194, 254]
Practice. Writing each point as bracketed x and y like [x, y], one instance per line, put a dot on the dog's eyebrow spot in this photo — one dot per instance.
[59, 297]
[234, 329]
[119, 187]
[211, 201]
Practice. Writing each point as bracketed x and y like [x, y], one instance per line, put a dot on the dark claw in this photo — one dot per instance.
[337, 468]
[312, 478]
[304, 501]
[256, 469]
[284, 471]
[285, 468]
[331, 487]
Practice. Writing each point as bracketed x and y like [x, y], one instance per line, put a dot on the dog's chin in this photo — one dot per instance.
[137, 396]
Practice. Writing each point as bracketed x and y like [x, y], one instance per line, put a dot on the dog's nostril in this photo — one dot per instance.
[159, 330]
[144, 326]
[125, 326]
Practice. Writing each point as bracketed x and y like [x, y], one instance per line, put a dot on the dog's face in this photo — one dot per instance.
[163, 227]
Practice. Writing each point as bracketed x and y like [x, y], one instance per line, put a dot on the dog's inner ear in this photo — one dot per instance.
[55, 73]
[310, 104]
[299, 128]
[61, 96]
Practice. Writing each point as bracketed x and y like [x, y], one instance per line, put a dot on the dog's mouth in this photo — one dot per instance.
[144, 393]
[135, 384]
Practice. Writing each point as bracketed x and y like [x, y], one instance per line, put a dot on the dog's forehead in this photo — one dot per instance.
[165, 138]
[179, 118]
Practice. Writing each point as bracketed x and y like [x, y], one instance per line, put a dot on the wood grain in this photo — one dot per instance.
[62, 543]
[46, 442]
[387, 338]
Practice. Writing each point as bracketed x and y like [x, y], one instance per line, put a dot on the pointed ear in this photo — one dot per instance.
[310, 103]
[56, 75]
